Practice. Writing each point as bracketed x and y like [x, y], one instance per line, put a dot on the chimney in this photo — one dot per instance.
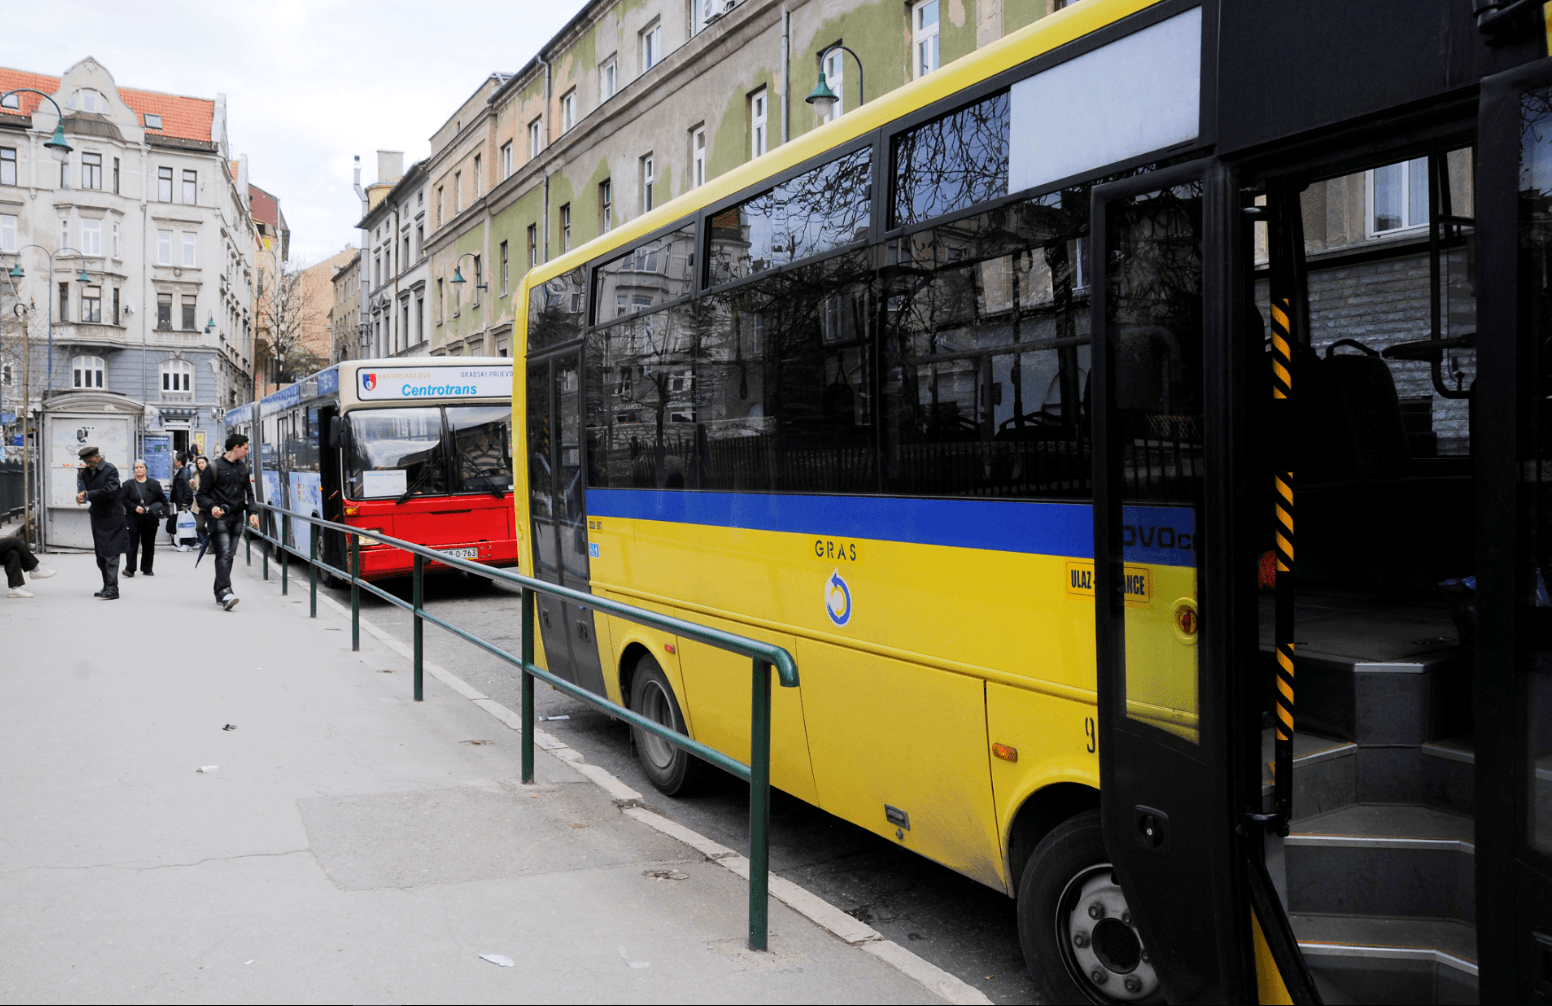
[390, 165]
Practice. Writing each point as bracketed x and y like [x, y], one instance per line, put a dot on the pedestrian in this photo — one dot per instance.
[226, 493]
[182, 498]
[201, 518]
[144, 507]
[99, 487]
[18, 557]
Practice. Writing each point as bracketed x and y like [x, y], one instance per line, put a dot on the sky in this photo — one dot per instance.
[307, 85]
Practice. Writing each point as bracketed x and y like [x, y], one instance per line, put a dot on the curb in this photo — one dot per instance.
[807, 904]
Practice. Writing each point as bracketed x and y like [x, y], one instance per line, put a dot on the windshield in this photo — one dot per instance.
[396, 453]
[401, 453]
[482, 447]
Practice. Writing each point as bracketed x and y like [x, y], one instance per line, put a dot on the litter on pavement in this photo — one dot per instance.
[505, 962]
[207, 768]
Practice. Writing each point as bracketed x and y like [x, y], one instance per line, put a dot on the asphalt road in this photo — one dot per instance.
[959, 925]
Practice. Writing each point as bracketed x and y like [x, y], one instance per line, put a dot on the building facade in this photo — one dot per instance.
[345, 334]
[150, 293]
[394, 264]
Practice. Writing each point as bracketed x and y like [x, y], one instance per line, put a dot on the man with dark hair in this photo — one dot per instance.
[98, 485]
[225, 493]
[182, 499]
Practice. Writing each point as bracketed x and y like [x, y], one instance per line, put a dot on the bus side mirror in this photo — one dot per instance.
[335, 434]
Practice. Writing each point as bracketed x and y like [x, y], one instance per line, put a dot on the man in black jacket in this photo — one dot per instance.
[182, 499]
[99, 487]
[225, 493]
[144, 507]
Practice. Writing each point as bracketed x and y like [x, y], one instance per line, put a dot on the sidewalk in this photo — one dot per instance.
[350, 845]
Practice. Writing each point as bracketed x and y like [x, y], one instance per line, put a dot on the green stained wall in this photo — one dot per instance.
[730, 144]
[1018, 13]
[880, 36]
[561, 193]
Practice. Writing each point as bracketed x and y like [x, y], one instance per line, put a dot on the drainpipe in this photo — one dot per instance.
[366, 286]
[545, 149]
[786, 69]
[546, 216]
[394, 311]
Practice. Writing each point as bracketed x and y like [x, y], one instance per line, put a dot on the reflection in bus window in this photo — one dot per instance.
[953, 162]
[649, 276]
[482, 452]
[555, 310]
[396, 452]
[805, 216]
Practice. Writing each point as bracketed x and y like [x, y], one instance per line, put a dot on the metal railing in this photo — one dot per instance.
[764, 656]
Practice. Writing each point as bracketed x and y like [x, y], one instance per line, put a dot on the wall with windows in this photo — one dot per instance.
[152, 205]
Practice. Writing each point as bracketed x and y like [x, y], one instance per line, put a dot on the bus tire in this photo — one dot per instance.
[673, 770]
[1072, 956]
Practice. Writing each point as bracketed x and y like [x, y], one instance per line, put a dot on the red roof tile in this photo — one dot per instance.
[182, 117]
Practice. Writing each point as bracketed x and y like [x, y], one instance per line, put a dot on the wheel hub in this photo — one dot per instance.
[1106, 948]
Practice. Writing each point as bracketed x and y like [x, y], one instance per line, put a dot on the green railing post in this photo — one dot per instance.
[528, 685]
[420, 628]
[759, 803]
[312, 572]
[285, 555]
[355, 592]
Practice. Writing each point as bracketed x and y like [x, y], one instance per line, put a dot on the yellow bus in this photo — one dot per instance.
[963, 399]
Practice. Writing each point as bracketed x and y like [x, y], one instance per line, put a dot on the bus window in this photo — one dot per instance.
[647, 277]
[952, 163]
[556, 310]
[805, 216]
[482, 447]
[396, 452]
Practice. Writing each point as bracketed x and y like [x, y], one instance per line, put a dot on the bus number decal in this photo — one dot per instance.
[1088, 728]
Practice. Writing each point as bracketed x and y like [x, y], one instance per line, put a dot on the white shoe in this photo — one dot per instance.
[41, 574]
[229, 602]
[19, 592]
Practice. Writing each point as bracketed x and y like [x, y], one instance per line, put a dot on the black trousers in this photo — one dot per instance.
[18, 558]
[224, 533]
[142, 540]
[109, 564]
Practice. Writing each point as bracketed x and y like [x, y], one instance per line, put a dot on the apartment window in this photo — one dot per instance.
[420, 238]
[190, 187]
[64, 172]
[164, 185]
[834, 67]
[651, 46]
[479, 177]
[605, 206]
[116, 306]
[608, 78]
[164, 254]
[924, 32]
[64, 234]
[698, 157]
[565, 228]
[91, 304]
[64, 302]
[506, 159]
[403, 341]
[8, 233]
[7, 165]
[164, 311]
[479, 281]
[91, 170]
[115, 176]
[91, 237]
[86, 372]
[568, 110]
[190, 309]
[647, 178]
[504, 267]
[441, 303]
[757, 122]
[11, 101]
[458, 192]
[1398, 196]
[439, 205]
[116, 247]
[533, 244]
[177, 376]
[377, 270]
[534, 134]
[702, 13]
[405, 256]
[188, 248]
[420, 319]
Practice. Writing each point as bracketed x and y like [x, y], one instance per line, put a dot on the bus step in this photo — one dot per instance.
[1389, 960]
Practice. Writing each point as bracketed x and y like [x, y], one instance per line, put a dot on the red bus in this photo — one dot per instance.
[418, 449]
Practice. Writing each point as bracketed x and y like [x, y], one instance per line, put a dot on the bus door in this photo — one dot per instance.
[557, 508]
[1513, 611]
[1169, 741]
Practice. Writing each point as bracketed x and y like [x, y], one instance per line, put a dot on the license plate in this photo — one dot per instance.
[461, 553]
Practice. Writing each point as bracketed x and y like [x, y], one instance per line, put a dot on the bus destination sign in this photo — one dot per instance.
[405, 383]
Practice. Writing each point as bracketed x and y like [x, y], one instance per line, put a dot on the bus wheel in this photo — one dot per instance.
[673, 770]
[1079, 940]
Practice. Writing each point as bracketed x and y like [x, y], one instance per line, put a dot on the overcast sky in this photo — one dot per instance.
[307, 85]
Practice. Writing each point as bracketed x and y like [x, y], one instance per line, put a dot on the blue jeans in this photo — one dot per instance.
[224, 532]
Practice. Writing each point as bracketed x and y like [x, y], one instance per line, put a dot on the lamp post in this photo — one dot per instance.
[458, 279]
[82, 277]
[822, 98]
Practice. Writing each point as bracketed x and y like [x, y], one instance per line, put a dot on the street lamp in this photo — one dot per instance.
[458, 279]
[56, 144]
[822, 98]
[83, 277]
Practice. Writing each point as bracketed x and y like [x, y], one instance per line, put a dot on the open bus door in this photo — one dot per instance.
[1513, 612]
[1175, 683]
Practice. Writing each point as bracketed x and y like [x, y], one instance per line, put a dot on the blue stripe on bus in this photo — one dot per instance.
[1153, 535]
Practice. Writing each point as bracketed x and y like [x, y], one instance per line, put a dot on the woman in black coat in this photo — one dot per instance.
[145, 505]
